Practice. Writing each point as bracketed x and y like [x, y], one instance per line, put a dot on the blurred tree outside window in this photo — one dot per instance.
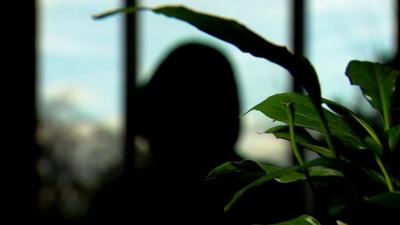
[79, 93]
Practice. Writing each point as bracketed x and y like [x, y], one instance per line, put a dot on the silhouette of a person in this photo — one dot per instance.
[189, 113]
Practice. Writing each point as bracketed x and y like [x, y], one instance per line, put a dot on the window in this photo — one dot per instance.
[80, 70]
[340, 31]
[257, 78]
[336, 32]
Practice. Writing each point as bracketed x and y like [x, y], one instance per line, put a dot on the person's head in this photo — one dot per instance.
[190, 107]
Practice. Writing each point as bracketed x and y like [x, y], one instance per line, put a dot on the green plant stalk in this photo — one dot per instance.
[290, 112]
[295, 149]
[388, 180]
[386, 118]
[326, 131]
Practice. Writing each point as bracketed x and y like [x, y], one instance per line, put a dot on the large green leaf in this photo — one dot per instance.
[303, 138]
[394, 135]
[377, 83]
[321, 171]
[258, 182]
[246, 40]
[390, 200]
[301, 220]
[286, 175]
[243, 170]
[372, 140]
[306, 116]
[375, 176]
[318, 168]
[364, 170]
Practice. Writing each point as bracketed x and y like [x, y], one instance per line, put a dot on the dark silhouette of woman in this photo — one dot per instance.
[189, 113]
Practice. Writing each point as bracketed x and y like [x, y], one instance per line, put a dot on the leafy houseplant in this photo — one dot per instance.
[357, 158]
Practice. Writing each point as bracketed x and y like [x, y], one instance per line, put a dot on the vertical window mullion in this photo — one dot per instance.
[298, 33]
[130, 25]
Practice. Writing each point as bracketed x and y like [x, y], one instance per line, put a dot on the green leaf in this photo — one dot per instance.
[233, 167]
[290, 176]
[306, 116]
[376, 147]
[377, 83]
[286, 175]
[301, 220]
[322, 161]
[318, 168]
[282, 175]
[246, 40]
[390, 200]
[324, 172]
[303, 138]
[282, 131]
[319, 149]
[375, 143]
[269, 168]
[394, 135]
[241, 170]
[371, 173]
[375, 176]
[116, 11]
[258, 182]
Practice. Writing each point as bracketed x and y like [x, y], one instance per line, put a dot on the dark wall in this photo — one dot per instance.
[19, 151]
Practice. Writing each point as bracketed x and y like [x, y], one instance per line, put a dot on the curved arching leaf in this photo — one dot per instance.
[231, 31]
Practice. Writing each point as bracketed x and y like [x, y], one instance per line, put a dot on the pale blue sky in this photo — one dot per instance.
[81, 58]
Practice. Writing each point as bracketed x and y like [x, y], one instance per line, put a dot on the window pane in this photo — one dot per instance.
[344, 30]
[257, 78]
[79, 103]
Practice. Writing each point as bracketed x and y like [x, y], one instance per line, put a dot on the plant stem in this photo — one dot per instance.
[386, 120]
[290, 112]
[388, 180]
[293, 143]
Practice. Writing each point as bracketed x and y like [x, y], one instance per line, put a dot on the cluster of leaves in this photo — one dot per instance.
[360, 153]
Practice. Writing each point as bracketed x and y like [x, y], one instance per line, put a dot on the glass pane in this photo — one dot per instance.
[257, 78]
[344, 30]
[79, 103]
